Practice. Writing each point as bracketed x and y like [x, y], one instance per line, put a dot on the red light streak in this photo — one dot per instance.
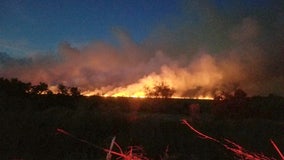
[277, 149]
[235, 148]
[132, 154]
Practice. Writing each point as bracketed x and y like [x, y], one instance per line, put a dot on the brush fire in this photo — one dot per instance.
[129, 68]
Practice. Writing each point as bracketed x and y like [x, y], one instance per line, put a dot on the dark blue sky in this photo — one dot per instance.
[30, 25]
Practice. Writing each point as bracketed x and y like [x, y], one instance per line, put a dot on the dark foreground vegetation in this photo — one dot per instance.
[29, 123]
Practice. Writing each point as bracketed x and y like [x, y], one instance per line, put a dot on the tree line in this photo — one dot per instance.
[15, 87]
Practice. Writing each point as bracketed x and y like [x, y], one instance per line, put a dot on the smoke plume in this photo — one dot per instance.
[216, 51]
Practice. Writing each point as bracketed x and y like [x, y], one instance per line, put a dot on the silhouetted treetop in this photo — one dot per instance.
[13, 87]
[62, 89]
[160, 90]
[236, 94]
[74, 91]
[41, 88]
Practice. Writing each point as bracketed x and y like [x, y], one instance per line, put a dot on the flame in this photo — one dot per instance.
[89, 93]
[199, 78]
[204, 97]
[194, 81]
[135, 90]
[178, 79]
[53, 89]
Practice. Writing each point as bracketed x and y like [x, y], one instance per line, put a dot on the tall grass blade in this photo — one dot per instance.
[277, 149]
[235, 148]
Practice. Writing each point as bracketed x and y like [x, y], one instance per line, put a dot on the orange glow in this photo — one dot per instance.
[204, 97]
[53, 89]
[138, 94]
[194, 81]
[176, 78]
[88, 93]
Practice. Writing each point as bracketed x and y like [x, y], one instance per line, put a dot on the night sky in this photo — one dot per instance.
[240, 40]
[39, 26]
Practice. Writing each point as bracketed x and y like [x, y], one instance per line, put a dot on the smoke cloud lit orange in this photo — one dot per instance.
[125, 69]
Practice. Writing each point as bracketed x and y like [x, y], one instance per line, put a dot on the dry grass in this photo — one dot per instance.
[133, 152]
[236, 149]
[277, 149]
[137, 152]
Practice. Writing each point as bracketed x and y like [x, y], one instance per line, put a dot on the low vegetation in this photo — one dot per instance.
[30, 121]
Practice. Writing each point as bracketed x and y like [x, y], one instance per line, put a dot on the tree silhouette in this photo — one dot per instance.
[62, 89]
[160, 90]
[240, 94]
[41, 88]
[222, 95]
[237, 94]
[232, 104]
[75, 92]
[13, 87]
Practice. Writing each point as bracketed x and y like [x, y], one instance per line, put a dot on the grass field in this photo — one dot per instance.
[29, 127]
